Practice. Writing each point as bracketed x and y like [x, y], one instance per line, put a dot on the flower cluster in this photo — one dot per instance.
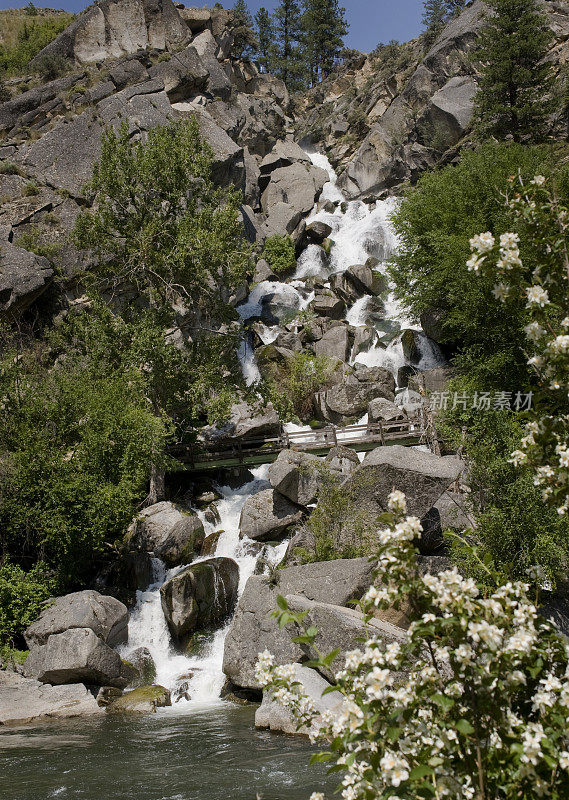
[473, 703]
[543, 286]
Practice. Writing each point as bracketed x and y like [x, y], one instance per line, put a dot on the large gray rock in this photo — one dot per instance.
[334, 344]
[24, 700]
[340, 629]
[183, 75]
[451, 108]
[77, 656]
[105, 616]
[201, 596]
[422, 476]
[245, 422]
[268, 515]
[253, 629]
[24, 276]
[296, 476]
[329, 305]
[173, 535]
[113, 28]
[273, 716]
[290, 196]
[342, 460]
[382, 410]
[349, 400]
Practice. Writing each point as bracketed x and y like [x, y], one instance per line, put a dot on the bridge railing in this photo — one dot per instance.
[318, 439]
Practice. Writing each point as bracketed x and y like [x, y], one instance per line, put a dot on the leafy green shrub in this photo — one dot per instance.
[515, 528]
[292, 384]
[31, 189]
[49, 67]
[435, 221]
[32, 36]
[9, 168]
[21, 596]
[33, 242]
[280, 254]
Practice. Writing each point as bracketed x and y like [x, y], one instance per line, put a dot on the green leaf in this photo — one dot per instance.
[282, 603]
[463, 726]
[321, 758]
[446, 703]
[420, 772]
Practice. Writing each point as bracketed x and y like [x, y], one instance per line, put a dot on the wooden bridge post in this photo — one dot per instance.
[381, 433]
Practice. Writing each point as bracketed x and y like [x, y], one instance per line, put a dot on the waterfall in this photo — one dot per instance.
[201, 675]
[359, 231]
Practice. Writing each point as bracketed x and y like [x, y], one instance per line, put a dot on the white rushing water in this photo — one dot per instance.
[200, 676]
[359, 231]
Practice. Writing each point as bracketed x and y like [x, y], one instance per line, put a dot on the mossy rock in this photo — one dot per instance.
[144, 700]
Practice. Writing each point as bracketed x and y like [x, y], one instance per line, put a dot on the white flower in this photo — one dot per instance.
[474, 263]
[518, 458]
[539, 180]
[397, 502]
[564, 760]
[482, 242]
[501, 292]
[560, 344]
[377, 680]
[538, 295]
[534, 331]
[536, 361]
[509, 240]
[565, 323]
[316, 796]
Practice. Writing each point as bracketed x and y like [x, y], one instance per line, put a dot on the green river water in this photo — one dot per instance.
[212, 754]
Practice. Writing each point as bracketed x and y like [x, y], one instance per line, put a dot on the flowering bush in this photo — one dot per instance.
[474, 704]
[545, 287]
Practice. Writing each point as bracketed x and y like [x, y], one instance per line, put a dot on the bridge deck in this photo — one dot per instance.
[254, 452]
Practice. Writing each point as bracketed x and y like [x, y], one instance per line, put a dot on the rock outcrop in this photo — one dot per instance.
[173, 535]
[268, 515]
[77, 656]
[24, 700]
[105, 616]
[253, 629]
[387, 117]
[201, 596]
[422, 476]
[297, 476]
[144, 700]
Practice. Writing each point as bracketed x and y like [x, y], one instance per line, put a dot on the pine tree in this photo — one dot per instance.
[511, 99]
[288, 29]
[244, 41]
[435, 14]
[266, 39]
[324, 26]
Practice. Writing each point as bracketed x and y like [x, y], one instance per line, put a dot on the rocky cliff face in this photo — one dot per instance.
[146, 62]
[391, 115]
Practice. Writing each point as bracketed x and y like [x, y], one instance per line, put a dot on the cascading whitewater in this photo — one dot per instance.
[202, 674]
[358, 232]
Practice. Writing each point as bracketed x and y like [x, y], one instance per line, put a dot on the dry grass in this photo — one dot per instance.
[12, 21]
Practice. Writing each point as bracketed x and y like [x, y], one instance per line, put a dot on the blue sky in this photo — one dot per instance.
[371, 21]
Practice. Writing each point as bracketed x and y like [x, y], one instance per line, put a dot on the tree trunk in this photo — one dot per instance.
[157, 486]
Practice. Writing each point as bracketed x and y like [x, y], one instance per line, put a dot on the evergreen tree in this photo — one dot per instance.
[324, 26]
[435, 14]
[511, 98]
[244, 42]
[265, 38]
[288, 29]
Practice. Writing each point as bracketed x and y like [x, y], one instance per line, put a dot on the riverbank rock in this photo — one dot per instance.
[245, 422]
[274, 717]
[77, 656]
[105, 616]
[422, 476]
[173, 535]
[201, 596]
[23, 700]
[296, 476]
[341, 629]
[348, 401]
[342, 460]
[268, 515]
[144, 700]
[382, 410]
[253, 629]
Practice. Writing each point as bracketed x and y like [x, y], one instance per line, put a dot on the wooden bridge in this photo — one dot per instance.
[255, 451]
